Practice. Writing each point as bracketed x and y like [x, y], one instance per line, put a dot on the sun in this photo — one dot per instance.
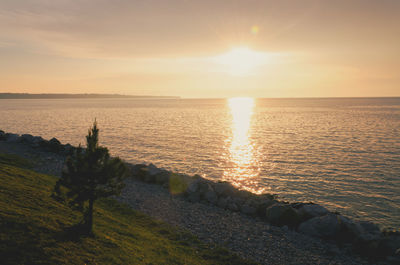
[241, 60]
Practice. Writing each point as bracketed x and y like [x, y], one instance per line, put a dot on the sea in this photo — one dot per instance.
[342, 153]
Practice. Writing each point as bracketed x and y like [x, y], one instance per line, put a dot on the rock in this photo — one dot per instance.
[326, 226]
[393, 259]
[26, 138]
[36, 141]
[282, 214]
[211, 196]
[138, 171]
[391, 243]
[2, 135]
[12, 137]
[194, 197]
[248, 209]
[149, 178]
[349, 230]
[54, 141]
[232, 206]
[262, 204]
[68, 149]
[54, 145]
[224, 189]
[333, 250]
[162, 177]
[153, 170]
[369, 227]
[193, 186]
[312, 210]
[222, 202]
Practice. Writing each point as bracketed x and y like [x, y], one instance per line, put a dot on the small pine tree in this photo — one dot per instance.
[90, 174]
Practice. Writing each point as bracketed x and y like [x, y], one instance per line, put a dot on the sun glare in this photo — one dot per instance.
[244, 170]
[241, 61]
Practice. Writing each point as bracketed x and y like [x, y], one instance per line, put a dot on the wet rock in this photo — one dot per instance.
[282, 214]
[326, 226]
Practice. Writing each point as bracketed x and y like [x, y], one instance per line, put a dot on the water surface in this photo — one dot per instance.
[343, 153]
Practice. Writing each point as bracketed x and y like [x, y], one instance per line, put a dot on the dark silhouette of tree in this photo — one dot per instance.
[90, 174]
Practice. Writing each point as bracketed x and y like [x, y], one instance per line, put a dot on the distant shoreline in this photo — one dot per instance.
[77, 96]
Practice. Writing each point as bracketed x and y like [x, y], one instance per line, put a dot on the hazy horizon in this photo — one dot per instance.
[177, 97]
[207, 49]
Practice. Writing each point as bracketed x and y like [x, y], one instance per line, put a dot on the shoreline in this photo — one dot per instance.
[176, 198]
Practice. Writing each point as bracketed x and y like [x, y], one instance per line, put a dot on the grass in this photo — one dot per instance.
[36, 229]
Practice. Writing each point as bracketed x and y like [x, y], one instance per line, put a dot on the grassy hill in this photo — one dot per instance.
[36, 229]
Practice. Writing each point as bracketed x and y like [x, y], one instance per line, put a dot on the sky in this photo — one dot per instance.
[206, 49]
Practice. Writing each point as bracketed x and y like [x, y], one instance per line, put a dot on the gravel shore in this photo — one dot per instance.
[249, 237]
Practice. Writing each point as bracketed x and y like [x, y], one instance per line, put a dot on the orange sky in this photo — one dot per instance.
[310, 48]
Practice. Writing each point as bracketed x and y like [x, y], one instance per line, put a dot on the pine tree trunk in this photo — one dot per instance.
[89, 223]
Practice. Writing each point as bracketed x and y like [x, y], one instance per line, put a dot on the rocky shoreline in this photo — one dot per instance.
[259, 227]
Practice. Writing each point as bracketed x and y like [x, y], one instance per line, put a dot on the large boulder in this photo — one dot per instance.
[224, 189]
[262, 205]
[308, 211]
[138, 171]
[12, 137]
[53, 145]
[282, 214]
[350, 231]
[26, 138]
[210, 195]
[153, 170]
[370, 228]
[193, 186]
[162, 177]
[327, 226]
[37, 141]
[68, 149]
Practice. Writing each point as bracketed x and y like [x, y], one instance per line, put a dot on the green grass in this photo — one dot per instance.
[36, 229]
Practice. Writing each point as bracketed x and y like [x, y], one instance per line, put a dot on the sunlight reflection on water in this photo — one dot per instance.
[244, 171]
